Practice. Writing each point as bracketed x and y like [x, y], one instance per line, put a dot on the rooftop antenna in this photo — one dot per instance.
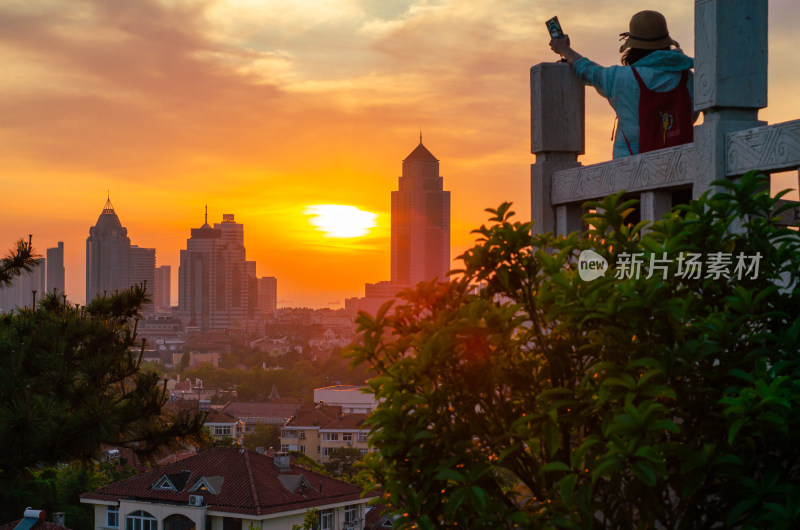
[420, 136]
[206, 219]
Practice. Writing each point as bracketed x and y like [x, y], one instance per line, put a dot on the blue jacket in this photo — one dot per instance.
[660, 71]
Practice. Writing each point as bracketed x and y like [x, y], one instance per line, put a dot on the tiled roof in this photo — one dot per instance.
[215, 416]
[312, 415]
[250, 484]
[260, 410]
[347, 421]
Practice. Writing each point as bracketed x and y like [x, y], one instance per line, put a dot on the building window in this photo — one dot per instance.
[347, 436]
[326, 451]
[326, 520]
[351, 513]
[141, 520]
[222, 430]
[112, 517]
[330, 436]
[302, 435]
[286, 433]
[284, 448]
[362, 437]
[303, 449]
[363, 451]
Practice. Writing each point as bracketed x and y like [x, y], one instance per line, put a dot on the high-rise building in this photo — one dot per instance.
[420, 232]
[24, 289]
[162, 289]
[112, 263]
[420, 221]
[55, 268]
[267, 295]
[142, 271]
[215, 281]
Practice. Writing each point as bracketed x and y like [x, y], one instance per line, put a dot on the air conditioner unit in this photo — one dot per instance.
[195, 500]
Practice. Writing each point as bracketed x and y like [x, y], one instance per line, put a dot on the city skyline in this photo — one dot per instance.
[265, 112]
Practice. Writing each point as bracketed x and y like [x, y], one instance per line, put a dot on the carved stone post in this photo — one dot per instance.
[730, 83]
[654, 204]
[557, 125]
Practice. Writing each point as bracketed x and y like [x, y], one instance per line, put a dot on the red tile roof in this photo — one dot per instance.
[312, 415]
[261, 410]
[251, 484]
[348, 421]
[215, 416]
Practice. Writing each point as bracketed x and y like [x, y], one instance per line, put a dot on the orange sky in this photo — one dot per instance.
[263, 107]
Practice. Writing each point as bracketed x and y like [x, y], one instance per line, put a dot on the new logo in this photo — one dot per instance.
[591, 265]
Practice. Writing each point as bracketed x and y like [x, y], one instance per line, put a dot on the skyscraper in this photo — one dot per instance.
[162, 291]
[214, 279]
[420, 231]
[112, 264]
[55, 268]
[267, 295]
[420, 221]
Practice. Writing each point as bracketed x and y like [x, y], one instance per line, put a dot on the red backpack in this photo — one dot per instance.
[665, 118]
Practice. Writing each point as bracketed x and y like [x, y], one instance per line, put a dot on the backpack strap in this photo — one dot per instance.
[642, 86]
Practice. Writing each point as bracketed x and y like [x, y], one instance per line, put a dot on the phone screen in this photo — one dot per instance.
[554, 28]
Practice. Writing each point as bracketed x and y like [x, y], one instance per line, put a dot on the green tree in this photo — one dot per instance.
[71, 383]
[185, 360]
[342, 462]
[20, 259]
[265, 436]
[310, 521]
[519, 395]
[57, 489]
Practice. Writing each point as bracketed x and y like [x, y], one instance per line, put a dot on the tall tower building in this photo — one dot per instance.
[420, 221]
[107, 250]
[55, 268]
[142, 270]
[214, 278]
[267, 295]
[112, 263]
[162, 289]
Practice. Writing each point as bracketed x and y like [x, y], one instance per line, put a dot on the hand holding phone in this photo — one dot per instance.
[554, 28]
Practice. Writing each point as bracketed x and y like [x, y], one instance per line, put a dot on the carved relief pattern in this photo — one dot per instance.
[706, 54]
[536, 96]
[771, 147]
[659, 169]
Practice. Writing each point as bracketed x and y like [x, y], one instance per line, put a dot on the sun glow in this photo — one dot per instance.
[339, 220]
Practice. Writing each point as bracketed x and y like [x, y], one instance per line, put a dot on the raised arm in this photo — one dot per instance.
[561, 46]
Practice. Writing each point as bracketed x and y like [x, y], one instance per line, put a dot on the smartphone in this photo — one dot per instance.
[554, 28]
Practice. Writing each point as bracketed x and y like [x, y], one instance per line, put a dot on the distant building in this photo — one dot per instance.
[420, 232]
[319, 428]
[55, 268]
[112, 263]
[214, 278]
[351, 398]
[420, 221]
[267, 295]
[227, 488]
[162, 294]
[276, 412]
[24, 289]
[142, 271]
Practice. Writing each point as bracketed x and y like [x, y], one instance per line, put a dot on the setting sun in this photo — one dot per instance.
[338, 220]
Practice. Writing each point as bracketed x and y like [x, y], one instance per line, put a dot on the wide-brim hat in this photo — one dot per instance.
[648, 31]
